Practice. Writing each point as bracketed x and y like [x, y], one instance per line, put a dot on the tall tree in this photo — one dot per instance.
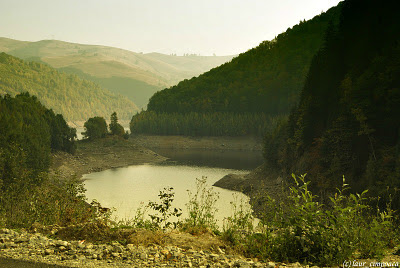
[115, 127]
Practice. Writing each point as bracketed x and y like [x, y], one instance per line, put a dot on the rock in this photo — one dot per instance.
[71, 252]
[230, 181]
[143, 256]
[39, 248]
[118, 249]
[164, 252]
[115, 254]
[48, 251]
[60, 243]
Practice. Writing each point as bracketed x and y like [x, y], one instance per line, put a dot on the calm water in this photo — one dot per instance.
[126, 189]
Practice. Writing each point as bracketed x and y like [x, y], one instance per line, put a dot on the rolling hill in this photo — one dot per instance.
[135, 75]
[76, 99]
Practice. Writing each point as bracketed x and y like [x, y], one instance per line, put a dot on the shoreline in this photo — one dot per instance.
[205, 143]
[114, 152]
[100, 155]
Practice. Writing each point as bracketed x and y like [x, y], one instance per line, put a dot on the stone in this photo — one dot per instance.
[143, 256]
[60, 243]
[48, 251]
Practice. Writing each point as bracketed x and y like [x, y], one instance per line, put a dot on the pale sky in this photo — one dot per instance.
[223, 27]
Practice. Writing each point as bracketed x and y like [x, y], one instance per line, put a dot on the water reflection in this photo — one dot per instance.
[230, 159]
[126, 188]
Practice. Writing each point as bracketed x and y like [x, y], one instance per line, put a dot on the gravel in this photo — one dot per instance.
[37, 247]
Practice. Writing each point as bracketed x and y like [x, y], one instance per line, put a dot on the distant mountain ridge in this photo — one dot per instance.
[135, 75]
[76, 99]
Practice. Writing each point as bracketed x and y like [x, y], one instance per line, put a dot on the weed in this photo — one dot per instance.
[201, 208]
[301, 229]
[238, 227]
[164, 210]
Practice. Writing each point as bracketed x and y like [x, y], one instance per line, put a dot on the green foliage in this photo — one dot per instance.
[201, 208]
[115, 127]
[203, 124]
[69, 95]
[243, 96]
[95, 128]
[239, 227]
[300, 229]
[266, 79]
[137, 91]
[52, 202]
[348, 118]
[164, 210]
[28, 134]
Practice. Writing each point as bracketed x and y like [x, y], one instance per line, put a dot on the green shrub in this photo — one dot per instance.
[201, 208]
[304, 230]
[52, 202]
[164, 210]
[239, 227]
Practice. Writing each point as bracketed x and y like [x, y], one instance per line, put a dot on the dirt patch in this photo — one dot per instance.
[102, 154]
[209, 143]
[256, 184]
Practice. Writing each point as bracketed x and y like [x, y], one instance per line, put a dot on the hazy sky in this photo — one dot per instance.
[223, 27]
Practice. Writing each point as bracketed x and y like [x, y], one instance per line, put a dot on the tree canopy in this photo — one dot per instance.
[348, 119]
[95, 127]
[264, 82]
[28, 133]
[116, 128]
[266, 79]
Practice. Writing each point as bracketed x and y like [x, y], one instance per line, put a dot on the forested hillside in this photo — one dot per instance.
[69, 95]
[204, 124]
[264, 80]
[135, 75]
[348, 119]
[28, 133]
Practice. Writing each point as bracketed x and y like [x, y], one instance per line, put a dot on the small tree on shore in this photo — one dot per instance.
[95, 127]
[115, 127]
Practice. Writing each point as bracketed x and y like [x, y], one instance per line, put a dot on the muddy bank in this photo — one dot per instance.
[100, 155]
[257, 184]
[208, 143]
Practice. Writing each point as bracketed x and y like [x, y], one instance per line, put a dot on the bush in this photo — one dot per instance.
[304, 230]
[95, 127]
[201, 208]
[52, 202]
[164, 210]
[239, 227]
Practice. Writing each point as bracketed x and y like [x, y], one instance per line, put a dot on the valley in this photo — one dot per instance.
[134, 75]
[287, 154]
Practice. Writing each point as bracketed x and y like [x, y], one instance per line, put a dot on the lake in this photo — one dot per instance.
[128, 188]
